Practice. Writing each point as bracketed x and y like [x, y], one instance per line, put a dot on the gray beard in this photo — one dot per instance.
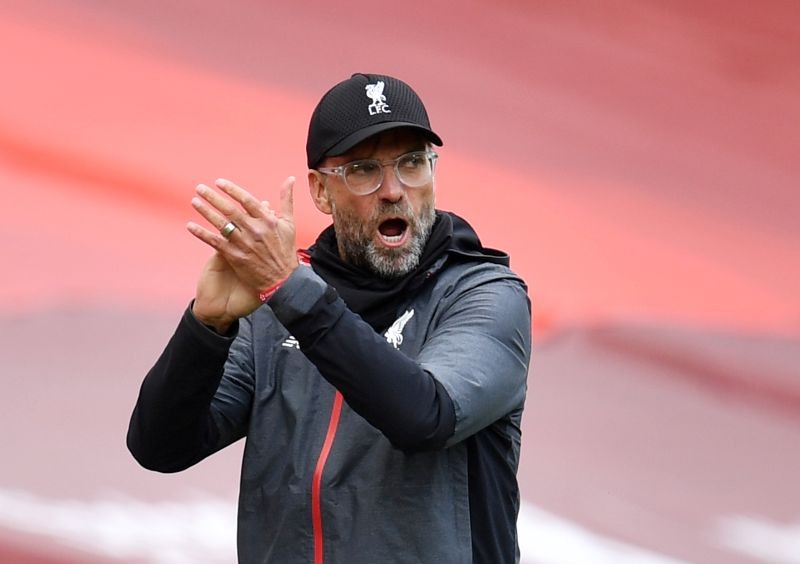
[357, 246]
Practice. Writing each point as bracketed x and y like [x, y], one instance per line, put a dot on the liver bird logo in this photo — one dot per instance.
[394, 334]
[375, 93]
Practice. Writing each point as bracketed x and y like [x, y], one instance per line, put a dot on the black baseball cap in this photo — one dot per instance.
[359, 107]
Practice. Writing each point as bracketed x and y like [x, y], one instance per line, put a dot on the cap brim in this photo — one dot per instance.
[358, 136]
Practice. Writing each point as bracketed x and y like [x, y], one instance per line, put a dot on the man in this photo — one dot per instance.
[381, 386]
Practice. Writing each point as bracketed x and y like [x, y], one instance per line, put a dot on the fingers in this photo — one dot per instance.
[211, 214]
[250, 204]
[218, 209]
[213, 240]
[287, 198]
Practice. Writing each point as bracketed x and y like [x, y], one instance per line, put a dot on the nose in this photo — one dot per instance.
[391, 189]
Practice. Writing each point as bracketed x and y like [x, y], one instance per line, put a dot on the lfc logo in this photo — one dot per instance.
[375, 93]
[394, 334]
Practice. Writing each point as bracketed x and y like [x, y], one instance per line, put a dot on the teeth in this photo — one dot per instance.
[392, 238]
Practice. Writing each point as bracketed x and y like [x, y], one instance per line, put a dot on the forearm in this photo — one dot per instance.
[171, 427]
[380, 383]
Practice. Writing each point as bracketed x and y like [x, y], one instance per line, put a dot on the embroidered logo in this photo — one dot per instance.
[394, 334]
[375, 93]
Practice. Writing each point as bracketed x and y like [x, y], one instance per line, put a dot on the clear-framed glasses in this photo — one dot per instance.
[364, 177]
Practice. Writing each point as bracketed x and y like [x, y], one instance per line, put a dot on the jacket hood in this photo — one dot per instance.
[466, 243]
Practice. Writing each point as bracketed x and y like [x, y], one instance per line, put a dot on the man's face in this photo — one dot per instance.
[385, 231]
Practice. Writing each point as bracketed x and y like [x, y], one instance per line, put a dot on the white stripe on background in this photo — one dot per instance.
[202, 530]
[545, 538]
[762, 539]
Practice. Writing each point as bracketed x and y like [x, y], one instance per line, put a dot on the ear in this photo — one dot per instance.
[318, 191]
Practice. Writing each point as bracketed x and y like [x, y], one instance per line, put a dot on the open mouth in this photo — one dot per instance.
[393, 231]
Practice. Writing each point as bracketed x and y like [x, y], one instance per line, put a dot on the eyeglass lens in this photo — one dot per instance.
[413, 170]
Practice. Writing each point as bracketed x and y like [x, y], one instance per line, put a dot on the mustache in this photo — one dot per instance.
[394, 209]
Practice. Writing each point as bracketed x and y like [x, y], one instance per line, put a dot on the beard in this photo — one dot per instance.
[356, 238]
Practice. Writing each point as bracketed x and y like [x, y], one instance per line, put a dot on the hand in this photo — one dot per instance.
[258, 253]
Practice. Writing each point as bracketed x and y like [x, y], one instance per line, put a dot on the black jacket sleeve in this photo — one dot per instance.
[183, 415]
[380, 383]
[470, 373]
[172, 427]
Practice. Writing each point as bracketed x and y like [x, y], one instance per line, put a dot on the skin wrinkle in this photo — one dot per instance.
[357, 244]
[357, 218]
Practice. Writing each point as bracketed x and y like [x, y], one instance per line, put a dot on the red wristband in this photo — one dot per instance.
[264, 295]
[303, 258]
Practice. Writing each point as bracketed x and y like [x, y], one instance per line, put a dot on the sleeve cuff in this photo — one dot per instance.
[206, 334]
[298, 295]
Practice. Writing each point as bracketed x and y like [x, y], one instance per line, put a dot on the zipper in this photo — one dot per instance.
[316, 484]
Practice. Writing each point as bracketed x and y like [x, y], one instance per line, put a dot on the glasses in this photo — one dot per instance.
[364, 177]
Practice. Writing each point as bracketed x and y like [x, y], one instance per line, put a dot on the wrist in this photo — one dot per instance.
[268, 292]
[217, 324]
[303, 259]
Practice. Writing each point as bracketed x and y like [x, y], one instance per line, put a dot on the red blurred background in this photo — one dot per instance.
[636, 159]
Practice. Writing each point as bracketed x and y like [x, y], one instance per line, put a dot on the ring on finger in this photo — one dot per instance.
[227, 229]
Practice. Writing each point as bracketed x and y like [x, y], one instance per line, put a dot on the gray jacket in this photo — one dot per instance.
[317, 477]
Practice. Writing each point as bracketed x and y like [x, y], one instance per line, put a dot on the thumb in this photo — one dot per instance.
[287, 198]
